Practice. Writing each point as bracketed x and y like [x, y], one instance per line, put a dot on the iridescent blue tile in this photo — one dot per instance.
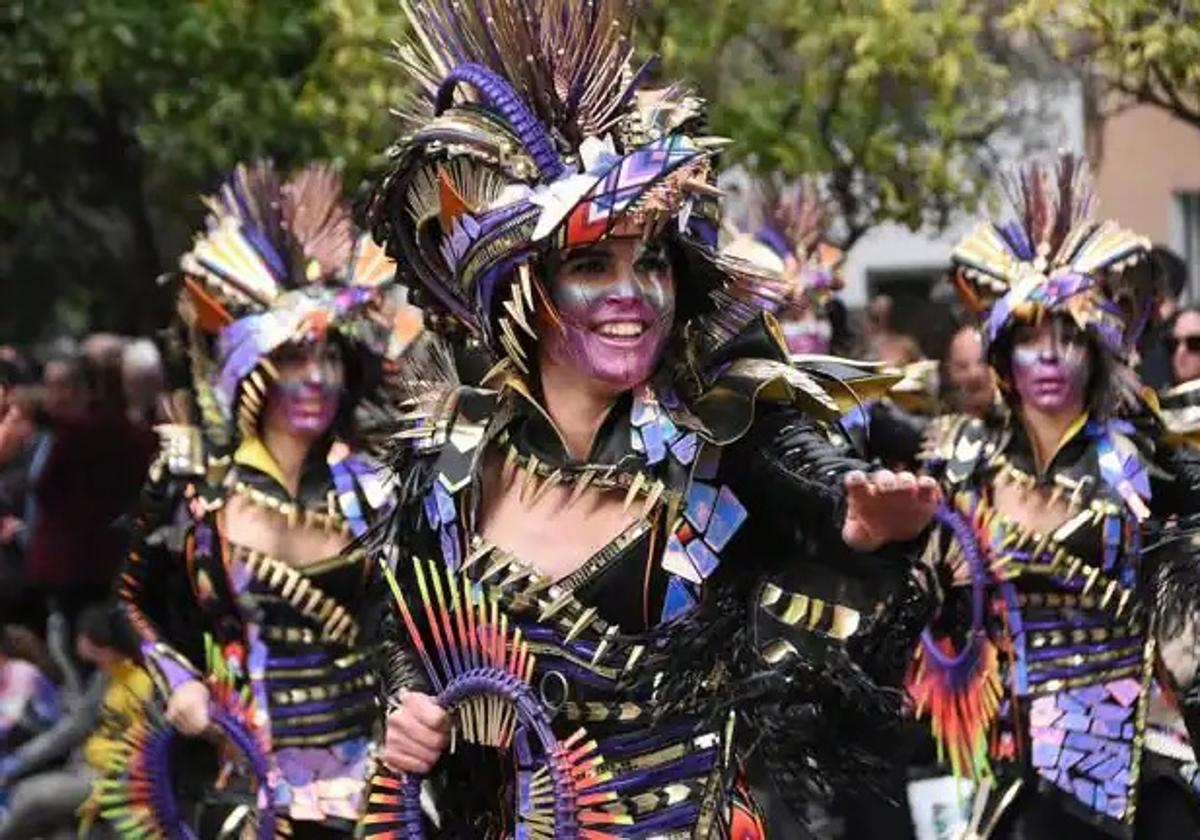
[450, 552]
[1108, 769]
[676, 561]
[1112, 712]
[1091, 695]
[445, 503]
[1076, 722]
[635, 440]
[1045, 754]
[1069, 758]
[668, 428]
[1085, 791]
[1100, 803]
[656, 445]
[703, 557]
[644, 410]
[684, 449]
[1067, 703]
[431, 510]
[700, 500]
[679, 599]
[1082, 741]
[1115, 807]
[728, 515]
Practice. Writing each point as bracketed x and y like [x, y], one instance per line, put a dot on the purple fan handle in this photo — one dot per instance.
[499, 94]
[968, 540]
[531, 714]
[162, 795]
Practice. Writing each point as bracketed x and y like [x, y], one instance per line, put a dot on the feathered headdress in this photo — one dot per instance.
[1055, 257]
[276, 262]
[783, 230]
[529, 133]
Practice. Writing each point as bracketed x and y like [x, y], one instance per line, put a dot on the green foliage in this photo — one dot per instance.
[1144, 51]
[124, 110]
[894, 100]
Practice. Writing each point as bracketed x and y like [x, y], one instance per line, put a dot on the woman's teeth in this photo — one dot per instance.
[622, 329]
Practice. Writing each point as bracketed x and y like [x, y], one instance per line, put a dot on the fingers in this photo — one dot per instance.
[927, 490]
[417, 735]
[883, 481]
[427, 712]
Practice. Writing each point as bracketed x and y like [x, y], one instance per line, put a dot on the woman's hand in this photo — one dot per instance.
[418, 732]
[886, 507]
[187, 708]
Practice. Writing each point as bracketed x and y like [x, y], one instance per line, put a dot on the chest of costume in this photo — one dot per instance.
[1063, 610]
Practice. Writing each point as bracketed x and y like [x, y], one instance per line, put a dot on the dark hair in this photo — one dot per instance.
[1172, 267]
[95, 623]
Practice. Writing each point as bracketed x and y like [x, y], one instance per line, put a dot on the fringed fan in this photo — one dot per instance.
[960, 691]
[135, 795]
[481, 670]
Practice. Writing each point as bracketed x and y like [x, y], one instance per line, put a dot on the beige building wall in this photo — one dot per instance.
[1144, 158]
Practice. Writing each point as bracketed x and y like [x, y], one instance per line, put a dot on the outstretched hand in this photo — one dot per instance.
[886, 507]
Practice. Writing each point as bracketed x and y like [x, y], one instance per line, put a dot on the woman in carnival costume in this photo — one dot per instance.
[590, 534]
[245, 538]
[1042, 667]
[783, 229]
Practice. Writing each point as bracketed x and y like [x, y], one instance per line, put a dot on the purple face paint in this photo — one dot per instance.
[616, 304]
[1051, 366]
[805, 332]
[304, 397]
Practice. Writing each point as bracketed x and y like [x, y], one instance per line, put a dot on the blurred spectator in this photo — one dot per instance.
[966, 378]
[28, 700]
[86, 739]
[85, 474]
[885, 344]
[1154, 351]
[143, 380]
[16, 449]
[1184, 345]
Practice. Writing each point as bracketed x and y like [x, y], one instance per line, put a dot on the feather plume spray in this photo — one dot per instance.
[318, 221]
[1050, 205]
[570, 60]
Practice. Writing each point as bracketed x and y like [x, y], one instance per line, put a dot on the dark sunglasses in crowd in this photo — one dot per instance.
[1190, 342]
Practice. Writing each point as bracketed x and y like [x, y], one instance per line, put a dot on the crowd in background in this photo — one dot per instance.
[76, 439]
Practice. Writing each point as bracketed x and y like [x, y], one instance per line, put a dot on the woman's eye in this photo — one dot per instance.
[652, 264]
[588, 266]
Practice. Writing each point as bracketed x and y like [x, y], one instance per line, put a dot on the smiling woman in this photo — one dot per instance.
[642, 459]
[610, 310]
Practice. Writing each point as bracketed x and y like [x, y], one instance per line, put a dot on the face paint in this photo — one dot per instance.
[615, 303]
[304, 397]
[1051, 367]
[805, 332]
